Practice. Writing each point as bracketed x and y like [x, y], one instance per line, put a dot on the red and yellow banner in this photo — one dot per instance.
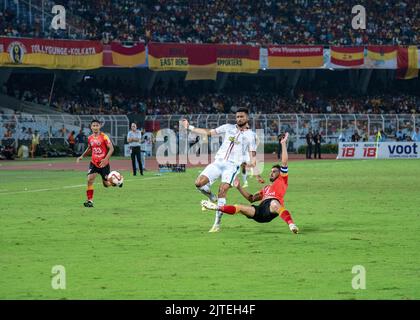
[408, 63]
[381, 57]
[168, 57]
[203, 61]
[347, 57]
[238, 58]
[51, 54]
[124, 56]
[295, 57]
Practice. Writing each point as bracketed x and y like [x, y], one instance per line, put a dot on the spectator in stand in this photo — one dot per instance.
[416, 135]
[80, 142]
[400, 136]
[63, 131]
[72, 141]
[8, 134]
[355, 137]
[34, 144]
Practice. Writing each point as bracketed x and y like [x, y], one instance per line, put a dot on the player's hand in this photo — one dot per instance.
[284, 139]
[185, 123]
[103, 163]
[260, 179]
[79, 159]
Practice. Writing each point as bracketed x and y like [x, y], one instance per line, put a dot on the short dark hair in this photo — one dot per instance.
[243, 110]
[277, 166]
[95, 121]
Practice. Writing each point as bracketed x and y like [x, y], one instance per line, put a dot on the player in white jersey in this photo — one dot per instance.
[227, 160]
[247, 166]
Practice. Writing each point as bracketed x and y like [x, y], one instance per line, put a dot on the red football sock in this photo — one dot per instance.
[285, 215]
[228, 209]
[89, 193]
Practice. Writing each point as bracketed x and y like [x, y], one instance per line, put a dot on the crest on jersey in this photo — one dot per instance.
[232, 139]
[16, 51]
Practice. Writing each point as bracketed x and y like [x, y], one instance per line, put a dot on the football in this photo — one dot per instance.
[115, 178]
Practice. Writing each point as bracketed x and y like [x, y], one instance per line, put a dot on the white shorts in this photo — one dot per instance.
[225, 170]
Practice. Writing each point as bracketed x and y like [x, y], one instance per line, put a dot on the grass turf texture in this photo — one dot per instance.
[149, 240]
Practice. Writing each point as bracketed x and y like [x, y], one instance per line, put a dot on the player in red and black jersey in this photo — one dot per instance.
[271, 196]
[101, 147]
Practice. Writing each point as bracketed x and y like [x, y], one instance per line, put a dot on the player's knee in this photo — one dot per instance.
[275, 206]
[200, 182]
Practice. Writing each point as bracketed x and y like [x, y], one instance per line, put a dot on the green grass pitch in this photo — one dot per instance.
[149, 240]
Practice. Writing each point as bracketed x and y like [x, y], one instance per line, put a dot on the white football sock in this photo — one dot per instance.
[219, 214]
[206, 191]
[244, 177]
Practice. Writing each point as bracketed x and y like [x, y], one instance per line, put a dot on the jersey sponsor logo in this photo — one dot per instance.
[268, 194]
[96, 150]
[93, 143]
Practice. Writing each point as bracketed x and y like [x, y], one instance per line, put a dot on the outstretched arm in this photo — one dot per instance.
[250, 197]
[207, 132]
[284, 154]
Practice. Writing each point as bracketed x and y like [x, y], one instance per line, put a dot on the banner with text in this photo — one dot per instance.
[237, 58]
[203, 61]
[380, 150]
[295, 57]
[51, 54]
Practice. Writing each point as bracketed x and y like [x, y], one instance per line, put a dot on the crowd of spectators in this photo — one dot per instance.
[272, 103]
[114, 95]
[218, 21]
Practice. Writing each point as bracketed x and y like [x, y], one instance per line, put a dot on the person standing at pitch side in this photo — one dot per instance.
[309, 138]
[134, 141]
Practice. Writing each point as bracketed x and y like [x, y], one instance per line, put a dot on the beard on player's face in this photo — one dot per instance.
[274, 175]
[241, 122]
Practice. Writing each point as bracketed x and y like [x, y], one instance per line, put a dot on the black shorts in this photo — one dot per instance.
[262, 212]
[104, 172]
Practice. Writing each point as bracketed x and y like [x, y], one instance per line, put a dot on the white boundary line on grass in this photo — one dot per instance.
[70, 187]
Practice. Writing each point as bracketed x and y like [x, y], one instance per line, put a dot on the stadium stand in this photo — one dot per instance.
[116, 95]
[217, 21]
